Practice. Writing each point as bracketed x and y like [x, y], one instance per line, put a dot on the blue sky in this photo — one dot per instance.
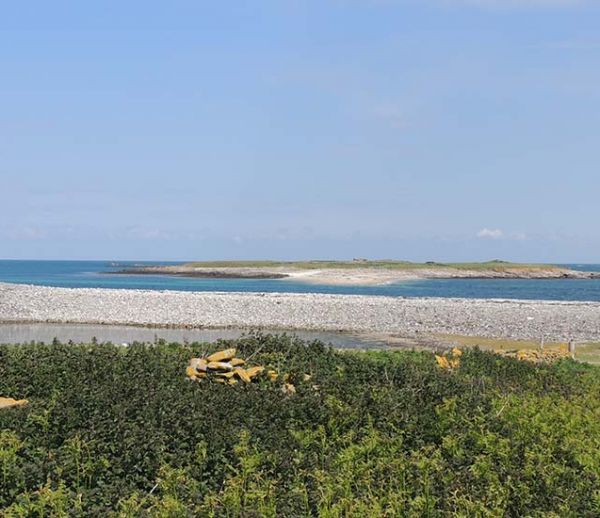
[429, 129]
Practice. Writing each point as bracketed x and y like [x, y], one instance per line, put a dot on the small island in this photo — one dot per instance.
[360, 272]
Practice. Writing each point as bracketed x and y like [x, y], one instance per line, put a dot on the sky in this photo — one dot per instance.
[441, 130]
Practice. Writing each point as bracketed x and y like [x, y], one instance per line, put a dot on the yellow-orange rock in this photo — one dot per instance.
[7, 402]
[442, 361]
[221, 356]
[199, 364]
[242, 374]
[254, 371]
[219, 366]
[192, 373]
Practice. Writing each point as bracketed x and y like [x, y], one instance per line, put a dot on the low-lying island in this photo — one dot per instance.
[358, 272]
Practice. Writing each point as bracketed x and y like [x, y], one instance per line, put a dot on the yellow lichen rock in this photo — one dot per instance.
[254, 371]
[200, 364]
[442, 361]
[7, 402]
[194, 374]
[242, 374]
[449, 361]
[219, 366]
[221, 356]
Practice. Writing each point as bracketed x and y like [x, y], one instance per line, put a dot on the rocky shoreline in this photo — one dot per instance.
[410, 317]
[201, 274]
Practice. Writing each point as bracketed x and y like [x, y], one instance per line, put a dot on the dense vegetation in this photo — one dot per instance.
[496, 265]
[121, 430]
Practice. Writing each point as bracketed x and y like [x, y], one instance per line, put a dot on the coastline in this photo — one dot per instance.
[358, 276]
[406, 317]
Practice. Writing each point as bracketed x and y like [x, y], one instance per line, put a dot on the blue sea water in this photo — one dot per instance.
[101, 274]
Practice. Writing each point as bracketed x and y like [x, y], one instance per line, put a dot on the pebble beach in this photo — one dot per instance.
[513, 319]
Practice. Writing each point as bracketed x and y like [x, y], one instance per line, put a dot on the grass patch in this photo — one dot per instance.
[499, 344]
[120, 431]
[588, 352]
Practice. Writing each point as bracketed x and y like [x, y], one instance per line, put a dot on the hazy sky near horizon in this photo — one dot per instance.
[425, 129]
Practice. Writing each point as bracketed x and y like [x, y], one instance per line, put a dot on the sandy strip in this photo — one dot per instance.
[354, 313]
[357, 277]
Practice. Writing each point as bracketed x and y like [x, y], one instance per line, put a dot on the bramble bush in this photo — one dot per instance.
[120, 431]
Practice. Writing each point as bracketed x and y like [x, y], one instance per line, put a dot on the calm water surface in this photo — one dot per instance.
[101, 274]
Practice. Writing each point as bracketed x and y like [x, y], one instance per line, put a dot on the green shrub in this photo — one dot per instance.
[121, 431]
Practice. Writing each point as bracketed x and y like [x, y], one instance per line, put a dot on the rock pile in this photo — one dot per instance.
[223, 367]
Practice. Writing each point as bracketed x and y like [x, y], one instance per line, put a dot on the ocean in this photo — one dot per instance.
[101, 274]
